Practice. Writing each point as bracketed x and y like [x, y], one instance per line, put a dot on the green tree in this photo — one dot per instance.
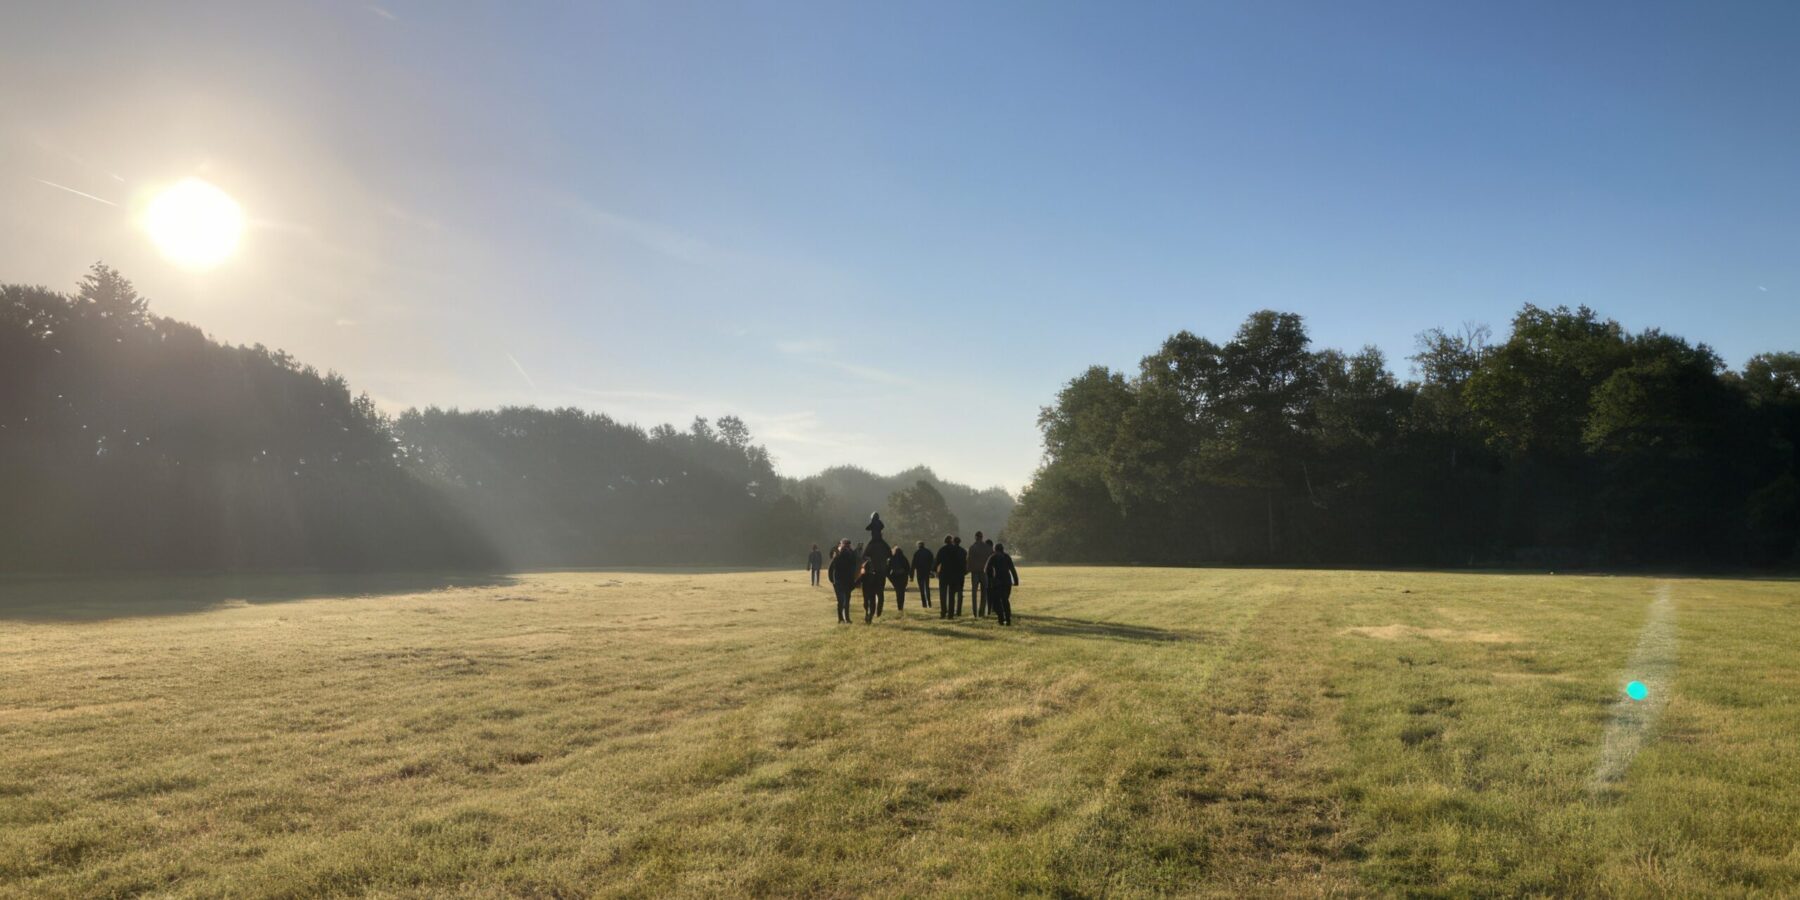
[1533, 393]
[919, 513]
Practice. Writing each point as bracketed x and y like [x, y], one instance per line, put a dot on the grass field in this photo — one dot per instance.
[1140, 731]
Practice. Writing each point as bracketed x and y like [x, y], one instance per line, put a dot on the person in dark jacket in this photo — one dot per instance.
[873, 576]
[922, 563]
[898, 572]
[874, 527]
[1002, 577]
[952, 565]
[815, 561]
[979, 550]
[843, 578]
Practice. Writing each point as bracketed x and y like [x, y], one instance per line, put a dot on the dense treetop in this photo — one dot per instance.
[1572, 442]
[130, 441]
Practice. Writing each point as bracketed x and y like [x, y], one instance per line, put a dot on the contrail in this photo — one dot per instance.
[77, 193]
[522, 371]
[1653, 663]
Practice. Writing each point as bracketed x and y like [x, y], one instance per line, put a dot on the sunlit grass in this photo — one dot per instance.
[1141, 731]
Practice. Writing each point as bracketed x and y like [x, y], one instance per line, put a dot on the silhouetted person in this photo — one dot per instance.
[1002, 577]
[952, 565]
[843, 578]
[814, 562]
[921, 564]
[979, 551]
[899, 570]
[874, 527]
[874, 579]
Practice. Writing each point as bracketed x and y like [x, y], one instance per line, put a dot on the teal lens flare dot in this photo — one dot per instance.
[1636, 690]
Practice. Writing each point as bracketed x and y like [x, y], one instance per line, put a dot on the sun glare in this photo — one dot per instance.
[194, 224]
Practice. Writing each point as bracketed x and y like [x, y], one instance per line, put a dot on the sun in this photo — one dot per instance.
[194, 224]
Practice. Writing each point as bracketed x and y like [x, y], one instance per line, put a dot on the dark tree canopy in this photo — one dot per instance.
[1571, 442]
[129, 441]
[919, 513]
[133, 442]
[842, 496]
[569, 487]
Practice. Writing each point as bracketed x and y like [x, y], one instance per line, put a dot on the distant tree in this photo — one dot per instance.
[842, 497]
[1770, 386]
[919, 513]
[1067, 514]
[1533, 392]
[1572, 441]
[734, 432]
[129, 441]
[107, 294]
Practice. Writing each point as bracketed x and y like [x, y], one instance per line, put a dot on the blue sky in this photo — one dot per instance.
[885, 234]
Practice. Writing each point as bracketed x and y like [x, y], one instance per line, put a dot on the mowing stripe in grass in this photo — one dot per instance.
[1652, 663]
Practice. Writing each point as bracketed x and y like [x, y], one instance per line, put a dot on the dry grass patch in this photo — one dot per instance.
[1398, 632]
[1140, 732]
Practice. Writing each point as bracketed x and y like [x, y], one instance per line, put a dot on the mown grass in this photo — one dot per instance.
[1139, 732]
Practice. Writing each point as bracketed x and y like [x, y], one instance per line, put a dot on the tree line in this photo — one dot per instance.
[847, 494]
[129, 441]
[1573, 442]
[132, 442]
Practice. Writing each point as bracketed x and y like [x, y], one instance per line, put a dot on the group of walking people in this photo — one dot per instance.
[984, 564]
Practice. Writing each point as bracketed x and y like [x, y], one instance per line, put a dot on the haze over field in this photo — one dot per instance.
[667, 210]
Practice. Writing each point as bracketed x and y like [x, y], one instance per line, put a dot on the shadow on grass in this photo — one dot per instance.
[1117, 631]
[962, 634]
[86, 599]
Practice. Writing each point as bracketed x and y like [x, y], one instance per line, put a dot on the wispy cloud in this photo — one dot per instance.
[383, 13]
[870, 373]
[652, 236]
[803, 429]
[820, 353]
[64, 187]
[788, 433]
[802, 348]
[1762, 288]
[522, 373]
